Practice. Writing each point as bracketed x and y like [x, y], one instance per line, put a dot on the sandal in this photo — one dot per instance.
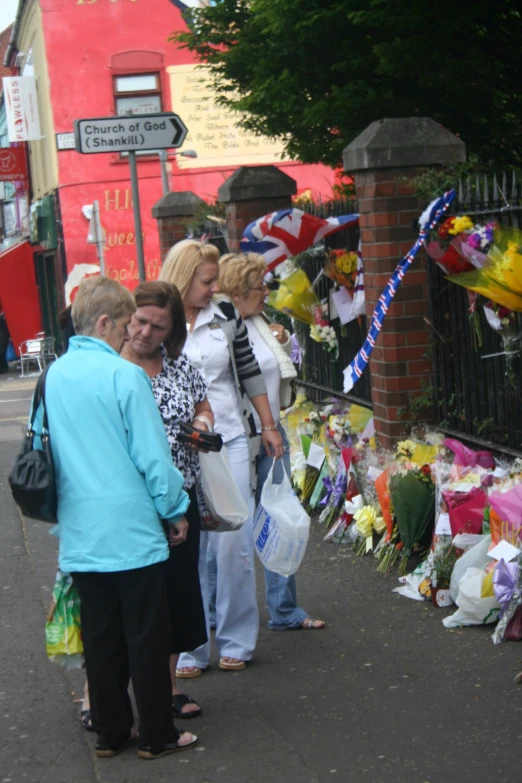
[150, 752]
[109, 751]
[231, 664]
[313, 625]
[188, 672]
[178, 702]
[85, 716]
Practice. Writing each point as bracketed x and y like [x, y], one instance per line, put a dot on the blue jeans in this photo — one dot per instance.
[237, 614]
[281, 592]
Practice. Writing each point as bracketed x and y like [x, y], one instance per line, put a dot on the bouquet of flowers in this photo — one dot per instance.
[500, 278]
[322, 332]
[339, 430]
[296, 297]
[312, 435]
[334, 499]
[445, 248]
[341, 267]
[412, 493]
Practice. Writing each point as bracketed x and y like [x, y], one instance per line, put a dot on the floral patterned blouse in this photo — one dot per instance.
[177, 389]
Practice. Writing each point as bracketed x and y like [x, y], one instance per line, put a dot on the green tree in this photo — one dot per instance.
[317, 72]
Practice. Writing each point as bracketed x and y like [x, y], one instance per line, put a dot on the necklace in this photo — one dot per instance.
[189, 320]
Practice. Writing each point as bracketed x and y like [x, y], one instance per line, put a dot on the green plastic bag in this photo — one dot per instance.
[63, 633]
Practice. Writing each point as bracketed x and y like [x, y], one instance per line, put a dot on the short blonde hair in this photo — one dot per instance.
[99, 296]
[238, 271]
[182, 261]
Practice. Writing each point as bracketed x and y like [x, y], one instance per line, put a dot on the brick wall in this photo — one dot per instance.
[398, 364]
[171, 230]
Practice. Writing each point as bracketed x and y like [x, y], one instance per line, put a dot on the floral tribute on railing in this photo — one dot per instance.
[487, 261]
[451, 513]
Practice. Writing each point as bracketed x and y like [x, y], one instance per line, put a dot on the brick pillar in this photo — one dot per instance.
[253, 191]
[385, 154]
[171, 212]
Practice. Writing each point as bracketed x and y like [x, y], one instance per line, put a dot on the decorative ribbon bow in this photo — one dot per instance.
[366, 521]
[297, 352]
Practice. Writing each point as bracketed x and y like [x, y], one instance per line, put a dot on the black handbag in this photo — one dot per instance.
[32, 478]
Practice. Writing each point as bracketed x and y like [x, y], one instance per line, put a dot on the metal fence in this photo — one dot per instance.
[320, 374]
[477, 390]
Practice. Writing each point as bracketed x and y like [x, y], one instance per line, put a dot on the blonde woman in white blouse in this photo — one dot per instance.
[241, 279]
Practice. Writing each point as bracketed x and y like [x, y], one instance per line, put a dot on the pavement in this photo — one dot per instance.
[384, 693]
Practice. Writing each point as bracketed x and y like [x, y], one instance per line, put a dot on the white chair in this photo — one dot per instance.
[39, 350]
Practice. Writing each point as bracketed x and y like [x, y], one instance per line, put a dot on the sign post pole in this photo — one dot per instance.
[98, 234]
[137, 216]
[153, 132]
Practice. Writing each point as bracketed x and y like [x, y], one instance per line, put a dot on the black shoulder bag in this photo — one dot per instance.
[32, 479]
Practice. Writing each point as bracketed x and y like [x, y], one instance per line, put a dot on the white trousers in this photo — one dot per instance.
[237, 615]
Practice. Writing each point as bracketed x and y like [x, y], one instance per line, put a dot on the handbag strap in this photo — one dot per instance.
[39, 397]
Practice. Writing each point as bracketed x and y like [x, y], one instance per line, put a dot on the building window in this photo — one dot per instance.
[137, 93]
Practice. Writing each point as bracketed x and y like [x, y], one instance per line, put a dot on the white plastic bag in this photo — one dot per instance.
[476, 557]
[473, 609]
[281, 527]
[221, 504]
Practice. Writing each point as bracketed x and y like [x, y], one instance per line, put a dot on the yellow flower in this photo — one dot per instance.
[460, 224]
[372, 443]
[347, 263]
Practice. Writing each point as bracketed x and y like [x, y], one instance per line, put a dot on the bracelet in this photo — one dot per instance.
[205, 420]
[269, 429]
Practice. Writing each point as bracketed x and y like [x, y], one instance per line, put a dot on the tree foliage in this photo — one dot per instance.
[317, 72]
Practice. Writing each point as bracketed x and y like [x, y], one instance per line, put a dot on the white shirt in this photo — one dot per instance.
[207, 349]
[269, 369]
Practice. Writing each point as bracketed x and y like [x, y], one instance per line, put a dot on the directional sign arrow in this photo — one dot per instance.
[129, 133]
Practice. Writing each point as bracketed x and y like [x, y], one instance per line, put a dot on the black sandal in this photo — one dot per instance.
[85, 715]
[178, 702]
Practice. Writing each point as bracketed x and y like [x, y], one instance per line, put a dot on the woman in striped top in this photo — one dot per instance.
[218, 345]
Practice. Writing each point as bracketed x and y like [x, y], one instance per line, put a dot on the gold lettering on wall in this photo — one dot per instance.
[117, 200]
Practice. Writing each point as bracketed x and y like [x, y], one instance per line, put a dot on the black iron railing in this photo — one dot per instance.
[320, 374]
[476, 390]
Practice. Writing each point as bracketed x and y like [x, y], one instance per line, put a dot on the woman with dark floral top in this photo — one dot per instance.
[157, 334]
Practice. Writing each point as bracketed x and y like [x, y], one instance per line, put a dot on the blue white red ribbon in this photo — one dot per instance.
[427, 221]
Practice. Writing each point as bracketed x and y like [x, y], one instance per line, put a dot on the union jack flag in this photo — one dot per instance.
[286, 233]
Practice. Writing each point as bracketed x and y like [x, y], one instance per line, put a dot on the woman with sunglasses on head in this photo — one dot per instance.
[218, 345]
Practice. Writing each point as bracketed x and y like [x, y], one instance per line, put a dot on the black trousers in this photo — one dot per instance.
[126, 635]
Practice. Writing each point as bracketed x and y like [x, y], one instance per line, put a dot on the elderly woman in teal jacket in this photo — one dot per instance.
[120, 499]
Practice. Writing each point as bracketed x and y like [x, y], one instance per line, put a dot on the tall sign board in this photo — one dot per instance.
[131, 134]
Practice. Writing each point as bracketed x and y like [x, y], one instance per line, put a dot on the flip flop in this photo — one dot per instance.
[226, 665]
[188, 672]
[308, 625]
[178, 702]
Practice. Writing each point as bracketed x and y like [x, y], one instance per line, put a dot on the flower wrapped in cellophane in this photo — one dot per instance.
[334, 498]
[412, 493]
[341, 268]
[367, 520]
[500, 279]
[296, 297]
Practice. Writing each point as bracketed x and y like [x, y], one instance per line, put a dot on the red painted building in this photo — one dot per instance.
[102, 58]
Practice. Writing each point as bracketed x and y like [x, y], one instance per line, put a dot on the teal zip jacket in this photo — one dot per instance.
[114, 471]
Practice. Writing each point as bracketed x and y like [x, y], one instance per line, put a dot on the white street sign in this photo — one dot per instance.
[65, 141]
[129, 134]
